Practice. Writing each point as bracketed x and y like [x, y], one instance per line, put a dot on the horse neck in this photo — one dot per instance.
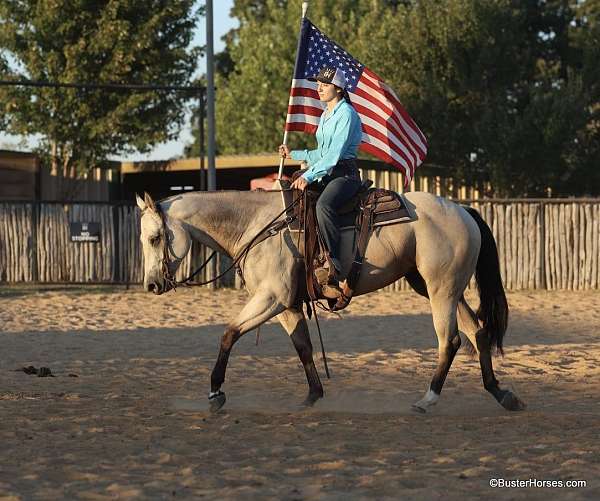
[223, 220]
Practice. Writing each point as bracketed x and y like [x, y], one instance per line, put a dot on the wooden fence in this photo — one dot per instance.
[542, 244]
[546, 244]
[35, 245]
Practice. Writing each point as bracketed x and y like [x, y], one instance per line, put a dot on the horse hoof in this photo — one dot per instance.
[511, 402]
[216, 401]
[311, 399]
[418, 408]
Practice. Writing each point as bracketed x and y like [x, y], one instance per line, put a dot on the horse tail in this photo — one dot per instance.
[493, 307]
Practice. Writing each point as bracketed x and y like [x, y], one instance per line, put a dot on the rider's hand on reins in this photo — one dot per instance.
[300, 184]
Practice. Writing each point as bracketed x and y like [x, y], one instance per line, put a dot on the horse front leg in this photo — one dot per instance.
[263, 306]
[294, 323]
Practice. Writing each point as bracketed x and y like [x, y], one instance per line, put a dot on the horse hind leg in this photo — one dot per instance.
[468, 325]
[261, 307]
[294, 323]
[449, 341]
[467, 320]
[480, 341]
[446, 327]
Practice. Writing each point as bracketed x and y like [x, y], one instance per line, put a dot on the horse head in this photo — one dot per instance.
[165, 242]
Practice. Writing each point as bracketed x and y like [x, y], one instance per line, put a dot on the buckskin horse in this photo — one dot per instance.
[438, 253]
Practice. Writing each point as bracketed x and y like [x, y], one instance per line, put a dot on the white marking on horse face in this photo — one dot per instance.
[151, 236]
[151, 239]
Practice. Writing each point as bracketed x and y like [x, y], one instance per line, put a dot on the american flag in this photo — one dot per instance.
[388, 131]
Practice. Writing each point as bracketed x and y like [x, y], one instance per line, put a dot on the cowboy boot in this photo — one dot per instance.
[331, 291]
[334, 289]
[322, 276]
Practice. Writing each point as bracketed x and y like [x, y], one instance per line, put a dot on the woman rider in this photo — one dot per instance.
[333, 163]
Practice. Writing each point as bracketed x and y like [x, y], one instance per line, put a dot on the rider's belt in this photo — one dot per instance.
[346, 168]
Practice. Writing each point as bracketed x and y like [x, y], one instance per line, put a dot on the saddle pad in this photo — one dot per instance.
[389, 209]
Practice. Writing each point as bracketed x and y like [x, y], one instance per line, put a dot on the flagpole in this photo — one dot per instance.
[285, 133]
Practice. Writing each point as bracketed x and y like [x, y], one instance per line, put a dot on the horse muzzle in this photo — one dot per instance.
[155, 287]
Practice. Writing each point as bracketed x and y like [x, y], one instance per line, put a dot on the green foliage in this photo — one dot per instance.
[252, 99]
[116, 41]
[507, 89]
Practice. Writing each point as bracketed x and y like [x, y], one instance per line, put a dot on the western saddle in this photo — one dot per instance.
[369, 208]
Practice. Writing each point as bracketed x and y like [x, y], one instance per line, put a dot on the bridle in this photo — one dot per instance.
[169, 279]
[270, 230]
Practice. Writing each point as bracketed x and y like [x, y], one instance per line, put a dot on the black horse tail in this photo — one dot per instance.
[493, 307]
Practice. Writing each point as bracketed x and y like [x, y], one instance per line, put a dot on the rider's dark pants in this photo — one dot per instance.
[339, 187]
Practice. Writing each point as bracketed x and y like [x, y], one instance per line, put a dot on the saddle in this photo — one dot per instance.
[369, 208]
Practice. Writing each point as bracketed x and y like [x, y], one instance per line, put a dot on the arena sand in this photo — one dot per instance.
[134, 422]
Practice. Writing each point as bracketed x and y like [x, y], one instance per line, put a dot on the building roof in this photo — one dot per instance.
[221, 162]
[19, 160]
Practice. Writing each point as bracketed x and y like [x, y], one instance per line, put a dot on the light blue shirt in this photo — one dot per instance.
[338, 138]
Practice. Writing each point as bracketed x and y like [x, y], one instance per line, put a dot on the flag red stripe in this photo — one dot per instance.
[367, 129]
[373, 150]
[394, 100]
[297, 109]
[418, 149]
[301, 127]
[381, 86]
[406, 136]
[304, 92]
[370, 131]
[388, 124]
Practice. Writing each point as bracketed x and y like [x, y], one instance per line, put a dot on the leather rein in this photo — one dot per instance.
[270, 230]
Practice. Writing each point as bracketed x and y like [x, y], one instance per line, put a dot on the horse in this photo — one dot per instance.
[438, 252]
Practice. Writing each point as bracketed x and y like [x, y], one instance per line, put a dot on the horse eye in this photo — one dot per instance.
[155, 240]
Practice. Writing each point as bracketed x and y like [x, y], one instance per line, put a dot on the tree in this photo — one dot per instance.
[252, 99]
[116, 41]
[506, 89]
[496, 86]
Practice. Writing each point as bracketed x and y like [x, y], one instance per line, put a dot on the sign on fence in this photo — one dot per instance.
[85, 232]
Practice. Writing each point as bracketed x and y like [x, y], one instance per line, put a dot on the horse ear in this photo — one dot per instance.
[149, 202]
[141, 204]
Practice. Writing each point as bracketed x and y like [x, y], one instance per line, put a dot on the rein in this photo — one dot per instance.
[270, 230]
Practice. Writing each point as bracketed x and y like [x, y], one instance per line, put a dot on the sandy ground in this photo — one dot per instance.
[134, 424]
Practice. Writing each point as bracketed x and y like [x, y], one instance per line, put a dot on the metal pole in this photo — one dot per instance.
[201, 140]
[210, 95]
[285, 134]
[210, 115]
[35, 217]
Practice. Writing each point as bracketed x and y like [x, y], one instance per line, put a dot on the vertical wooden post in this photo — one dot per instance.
[35, 207]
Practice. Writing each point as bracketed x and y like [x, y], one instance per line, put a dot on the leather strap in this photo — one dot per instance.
[365, 225]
